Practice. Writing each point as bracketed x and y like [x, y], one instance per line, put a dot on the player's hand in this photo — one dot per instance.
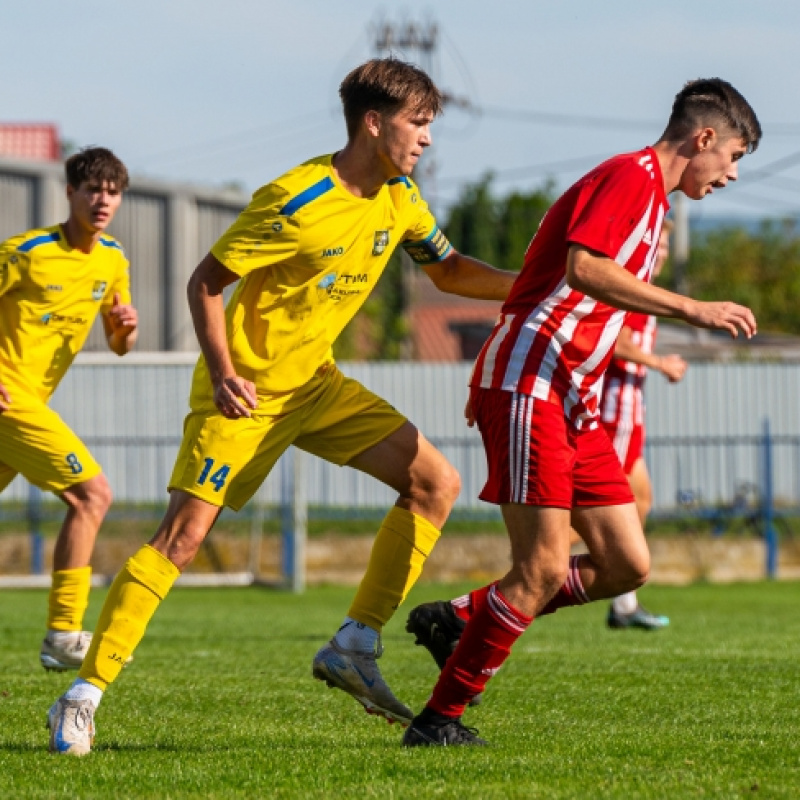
[5, 399]
[235, 397]
[123, 318]
[723, 316]
[672, 367]
[468, 415]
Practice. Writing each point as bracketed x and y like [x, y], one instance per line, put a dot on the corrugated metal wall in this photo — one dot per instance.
[17, 203]
[132, 414]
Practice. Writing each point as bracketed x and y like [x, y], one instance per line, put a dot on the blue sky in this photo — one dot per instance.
[210, 92]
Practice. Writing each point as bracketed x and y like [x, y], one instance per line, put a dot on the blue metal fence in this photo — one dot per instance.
[742, 493]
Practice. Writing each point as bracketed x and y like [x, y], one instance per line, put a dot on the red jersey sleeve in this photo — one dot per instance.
[611, 205]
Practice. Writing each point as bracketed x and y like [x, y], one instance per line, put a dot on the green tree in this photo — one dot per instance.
[761, 271]
[497, 230]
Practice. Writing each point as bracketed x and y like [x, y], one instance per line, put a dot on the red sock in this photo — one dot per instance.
[571, 593]
[466, 605]
[484, 646]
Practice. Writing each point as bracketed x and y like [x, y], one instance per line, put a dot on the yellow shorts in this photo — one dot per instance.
[38, 444]
[224, 461]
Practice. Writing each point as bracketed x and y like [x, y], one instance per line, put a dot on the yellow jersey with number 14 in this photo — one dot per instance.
[50, 294]
[309, 253]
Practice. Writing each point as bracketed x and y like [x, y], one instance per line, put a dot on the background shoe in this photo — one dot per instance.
[71, 724]
[66, 652]
[640, 617]
[357, 674]
[442, 732]
[437, 628]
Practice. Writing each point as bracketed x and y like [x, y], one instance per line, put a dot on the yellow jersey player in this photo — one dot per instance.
[53, 283]
[306, 253]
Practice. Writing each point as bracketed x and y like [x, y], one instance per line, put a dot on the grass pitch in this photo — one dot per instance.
[220, 703]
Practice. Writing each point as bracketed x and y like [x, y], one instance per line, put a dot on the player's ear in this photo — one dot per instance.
[705, 139]
[372, 120]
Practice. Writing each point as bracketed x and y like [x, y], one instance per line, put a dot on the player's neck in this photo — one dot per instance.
[672, 161]
[78, 237]
[359, 170]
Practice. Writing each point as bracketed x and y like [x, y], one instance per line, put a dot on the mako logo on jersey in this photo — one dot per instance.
[99, 289]
[381, 242]
[332, 252]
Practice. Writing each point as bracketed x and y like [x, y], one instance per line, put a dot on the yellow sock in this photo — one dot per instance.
[69, 597]
[403, 543]
[132, 600]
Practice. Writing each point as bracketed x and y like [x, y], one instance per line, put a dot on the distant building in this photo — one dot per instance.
[37, 141]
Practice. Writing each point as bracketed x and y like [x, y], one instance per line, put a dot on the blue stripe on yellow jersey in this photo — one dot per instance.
[46, 238]
[305, 197]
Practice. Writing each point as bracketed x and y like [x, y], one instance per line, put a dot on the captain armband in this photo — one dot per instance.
[434, 248]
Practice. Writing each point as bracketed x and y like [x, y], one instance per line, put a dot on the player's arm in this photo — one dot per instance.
[468, 277]
[121, 323]
[233, 395]
[603, 279]
[671, 367]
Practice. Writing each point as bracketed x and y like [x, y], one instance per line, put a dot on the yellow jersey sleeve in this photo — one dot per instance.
[424, 241]
[261, 235]
[122, 280]
[12, 264]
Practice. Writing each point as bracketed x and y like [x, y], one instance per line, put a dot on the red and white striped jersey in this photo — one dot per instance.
[551, 341]
[622, 399]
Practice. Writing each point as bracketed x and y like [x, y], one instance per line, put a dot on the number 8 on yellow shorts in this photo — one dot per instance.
[36, 443]
[224, 461]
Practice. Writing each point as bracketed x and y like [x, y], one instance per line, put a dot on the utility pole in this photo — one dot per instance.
[417, 42]
[680, 250]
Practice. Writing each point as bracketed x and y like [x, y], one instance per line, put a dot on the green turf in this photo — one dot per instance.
[220, 703]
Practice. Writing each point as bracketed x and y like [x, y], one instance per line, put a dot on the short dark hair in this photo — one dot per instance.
[387, 85]
[713, 102]
[96, 164]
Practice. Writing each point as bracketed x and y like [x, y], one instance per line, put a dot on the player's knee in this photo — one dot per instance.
[545, 574]
[100, 495]
[92, 498]
[441, 487]
[633, 571]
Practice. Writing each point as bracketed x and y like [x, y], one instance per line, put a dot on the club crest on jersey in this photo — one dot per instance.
[99, 289]
[381, 242]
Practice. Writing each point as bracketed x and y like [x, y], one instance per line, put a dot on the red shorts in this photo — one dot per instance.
[537, 458]
[628, 442]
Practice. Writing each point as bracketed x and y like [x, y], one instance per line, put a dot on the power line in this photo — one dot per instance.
[236, 137]
[546, 168]
[610, 123]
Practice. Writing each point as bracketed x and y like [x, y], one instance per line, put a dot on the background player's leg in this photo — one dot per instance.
[626, 611]
[65, 644]
[88, 503]
[639, 479]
